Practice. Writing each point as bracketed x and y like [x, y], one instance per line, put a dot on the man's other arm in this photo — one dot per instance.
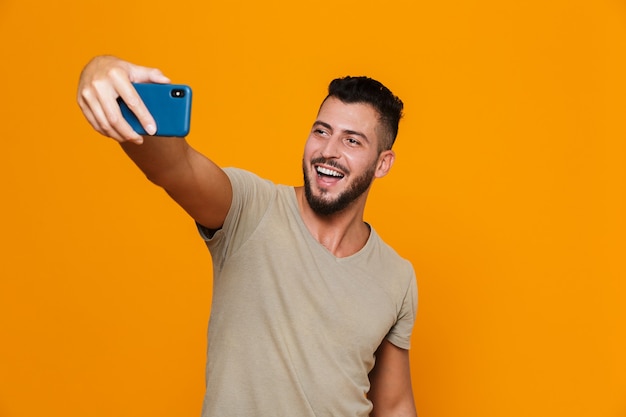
[390, 391]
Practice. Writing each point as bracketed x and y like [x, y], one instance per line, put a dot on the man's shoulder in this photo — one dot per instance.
[388, 254]
[236, 173]
[244, 179]
[251, 189]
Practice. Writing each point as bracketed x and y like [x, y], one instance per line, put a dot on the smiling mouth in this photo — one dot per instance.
[327, 172]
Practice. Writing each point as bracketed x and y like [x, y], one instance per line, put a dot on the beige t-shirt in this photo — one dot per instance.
[294, 329]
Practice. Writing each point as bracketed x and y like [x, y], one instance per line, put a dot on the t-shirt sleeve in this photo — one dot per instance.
[400, 333]
[251, 198]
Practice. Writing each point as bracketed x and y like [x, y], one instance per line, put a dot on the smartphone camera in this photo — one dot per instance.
[177, 93]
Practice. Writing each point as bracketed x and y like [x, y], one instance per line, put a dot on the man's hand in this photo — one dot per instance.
[102, 81]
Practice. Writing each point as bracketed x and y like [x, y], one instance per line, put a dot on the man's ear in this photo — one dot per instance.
[385, 162]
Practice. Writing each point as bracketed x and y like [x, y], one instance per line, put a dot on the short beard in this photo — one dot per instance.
[324, 207]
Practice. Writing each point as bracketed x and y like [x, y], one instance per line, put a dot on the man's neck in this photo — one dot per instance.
[343, 233]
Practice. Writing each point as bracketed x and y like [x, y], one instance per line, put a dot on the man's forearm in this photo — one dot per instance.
[160, 158]
[197, 184]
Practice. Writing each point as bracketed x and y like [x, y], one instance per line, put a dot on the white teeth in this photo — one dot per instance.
[330, 172]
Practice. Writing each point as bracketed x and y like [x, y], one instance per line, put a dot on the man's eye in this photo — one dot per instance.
[352, 141]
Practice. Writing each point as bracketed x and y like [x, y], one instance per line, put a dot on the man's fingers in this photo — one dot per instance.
[142, 74]
[107, 122]
[125, 90]
[101, 122]
[102, 82]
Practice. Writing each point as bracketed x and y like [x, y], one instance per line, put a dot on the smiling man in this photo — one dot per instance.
[334, 127]
[312, 312]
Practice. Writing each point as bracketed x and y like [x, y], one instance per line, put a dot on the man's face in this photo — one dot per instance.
[341, 155]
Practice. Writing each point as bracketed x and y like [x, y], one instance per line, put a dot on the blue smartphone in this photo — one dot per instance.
[169, 105]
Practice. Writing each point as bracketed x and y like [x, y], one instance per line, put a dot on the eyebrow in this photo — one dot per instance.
[349, 132]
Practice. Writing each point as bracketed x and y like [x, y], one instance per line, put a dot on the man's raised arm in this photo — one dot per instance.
[197, 184]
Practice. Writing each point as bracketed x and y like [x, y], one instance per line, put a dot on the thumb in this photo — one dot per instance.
[139, 74]
[156, 76]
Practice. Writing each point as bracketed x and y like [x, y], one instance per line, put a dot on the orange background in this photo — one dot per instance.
[508, 194]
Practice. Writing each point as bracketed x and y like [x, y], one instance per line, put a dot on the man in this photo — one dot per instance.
[312, 312]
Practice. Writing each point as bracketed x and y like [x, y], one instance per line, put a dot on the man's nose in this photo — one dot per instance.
[331, 148]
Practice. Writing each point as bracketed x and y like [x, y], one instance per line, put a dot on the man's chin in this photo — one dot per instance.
[326, 205]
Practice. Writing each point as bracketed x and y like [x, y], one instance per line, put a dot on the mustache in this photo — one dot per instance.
[320, 160]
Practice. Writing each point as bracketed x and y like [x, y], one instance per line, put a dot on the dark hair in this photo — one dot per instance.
[369, 91]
